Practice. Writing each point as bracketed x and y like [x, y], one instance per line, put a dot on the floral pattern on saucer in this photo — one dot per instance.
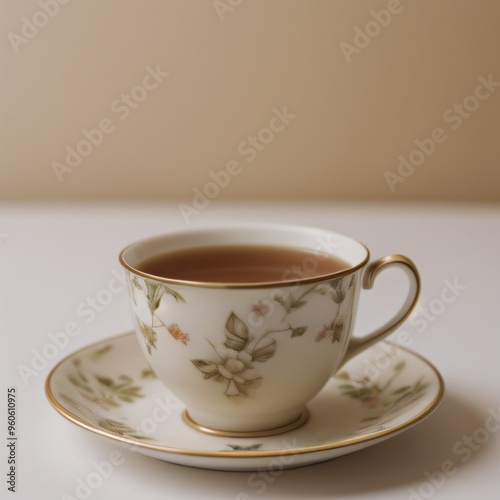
[102, 390]
[380, 395]
[95, 392]
[350, 413]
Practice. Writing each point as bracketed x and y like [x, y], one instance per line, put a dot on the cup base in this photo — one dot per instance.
[301, 420]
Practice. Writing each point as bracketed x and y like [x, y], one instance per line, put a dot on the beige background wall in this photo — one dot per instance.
[230, 63]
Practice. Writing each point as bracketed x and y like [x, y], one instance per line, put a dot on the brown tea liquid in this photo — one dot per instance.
[241, 264]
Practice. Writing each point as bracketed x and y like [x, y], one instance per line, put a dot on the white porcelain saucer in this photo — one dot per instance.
[108, 388]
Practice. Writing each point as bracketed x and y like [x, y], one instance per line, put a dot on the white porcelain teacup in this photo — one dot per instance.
[247, 357]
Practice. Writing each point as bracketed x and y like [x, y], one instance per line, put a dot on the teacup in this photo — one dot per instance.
[245, 358]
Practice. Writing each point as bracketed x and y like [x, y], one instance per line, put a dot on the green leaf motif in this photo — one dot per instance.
[352, 282]
[338, 295]
[420, 385]
[129, 394]
[401, 390]
[209, 368]
[236, 333]
[78, 382]
[265, 352]
[99, 353]
[149, 335]
[280, 300]
[148, 373]
[176, 295]
[120, 429]
[104, 381]
[237, 447]
[135, 282]
[124, 390]
[242, 386]
[154, 293]
[361, 393]
[399, 366]
[297, 332]
[296, 304]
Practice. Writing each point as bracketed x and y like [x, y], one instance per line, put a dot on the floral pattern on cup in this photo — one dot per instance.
[235, 358]
[334, 289]
[237, 355]
[154, 292]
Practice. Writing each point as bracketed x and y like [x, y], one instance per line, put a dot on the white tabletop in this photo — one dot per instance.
[56, 256]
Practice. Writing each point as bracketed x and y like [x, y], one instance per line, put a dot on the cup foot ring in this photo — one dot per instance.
[303, 418]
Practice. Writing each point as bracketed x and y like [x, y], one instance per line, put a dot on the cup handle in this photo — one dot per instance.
[357, 345]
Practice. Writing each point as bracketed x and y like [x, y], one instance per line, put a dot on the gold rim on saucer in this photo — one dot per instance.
[371, 435]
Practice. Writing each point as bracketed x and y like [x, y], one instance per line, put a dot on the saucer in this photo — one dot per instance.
[108, 388]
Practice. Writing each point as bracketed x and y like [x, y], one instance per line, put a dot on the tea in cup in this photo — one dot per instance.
[245, 324]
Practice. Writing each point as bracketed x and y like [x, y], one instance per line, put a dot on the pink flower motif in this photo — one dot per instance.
[322, 334]
[178, 334]
[371, 401]
[334, 331]
[260, 308]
